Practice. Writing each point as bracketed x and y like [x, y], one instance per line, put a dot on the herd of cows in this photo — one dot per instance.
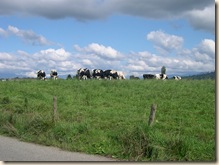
[84, 74]
[99, 74]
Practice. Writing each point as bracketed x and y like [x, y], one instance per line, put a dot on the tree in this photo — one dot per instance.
[163, 70]
[69, 77]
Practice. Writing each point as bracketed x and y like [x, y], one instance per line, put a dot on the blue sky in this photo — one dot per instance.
[135, 37]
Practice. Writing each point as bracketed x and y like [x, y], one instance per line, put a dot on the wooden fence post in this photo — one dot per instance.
[54, 109]
[152, 114]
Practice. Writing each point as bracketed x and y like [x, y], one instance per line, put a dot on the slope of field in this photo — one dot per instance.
[110, 118]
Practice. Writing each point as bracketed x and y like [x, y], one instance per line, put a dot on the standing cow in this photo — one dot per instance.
[148, 76]
[111, 74]
[41, 75]
[84, 74]
[121, 75]
[160, 76]
[98, 74]
[54, 74]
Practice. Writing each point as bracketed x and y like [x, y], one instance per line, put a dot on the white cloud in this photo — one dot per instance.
[87, 62]
[28, 36]
[207, 46]
[198, 59]
[204, 52]
[30, 74]
[174, 65]
[3, 32]
[165, 43]
[52, 54]
[25, 64]
[100, 51]
[5, 56]
[192, 10]
[58, 59]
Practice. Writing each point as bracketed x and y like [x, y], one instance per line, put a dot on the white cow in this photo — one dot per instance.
[121, 75]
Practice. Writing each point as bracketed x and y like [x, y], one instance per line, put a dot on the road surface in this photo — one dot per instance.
[12, 149]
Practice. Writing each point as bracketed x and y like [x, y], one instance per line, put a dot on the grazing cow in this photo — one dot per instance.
[110, 74]
[177, 78]
[121, 76]
[98, 74]
[54, 74]
[41, 75]
[84, 74]
[148, 76]
[161, 76]
[132, 77]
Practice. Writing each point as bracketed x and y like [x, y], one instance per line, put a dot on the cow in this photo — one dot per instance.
[54, 74]
[163, 76]
[148, 76]
[132, 77]
[110, 74]
[121, 76]
[177, 78]
[98, 74]
[84, 74]
[41, 75]
[160, 76]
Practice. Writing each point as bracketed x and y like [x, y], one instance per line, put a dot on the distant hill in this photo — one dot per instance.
[208, 75]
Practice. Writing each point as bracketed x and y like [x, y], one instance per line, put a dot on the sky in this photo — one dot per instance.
[132, 36]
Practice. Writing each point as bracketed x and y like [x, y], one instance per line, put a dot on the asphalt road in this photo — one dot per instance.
[12, 149]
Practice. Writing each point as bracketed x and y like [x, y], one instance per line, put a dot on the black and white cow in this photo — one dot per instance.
[177, 78]
[111, 74]
[84, 74]
[41, 75]
[148, 76]
[54, 74]
[98, 74]
[161, 76]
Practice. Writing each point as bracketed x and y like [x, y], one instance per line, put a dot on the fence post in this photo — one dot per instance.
[54, 109]
[152, 114]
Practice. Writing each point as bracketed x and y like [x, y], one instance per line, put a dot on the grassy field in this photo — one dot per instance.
[110, 118]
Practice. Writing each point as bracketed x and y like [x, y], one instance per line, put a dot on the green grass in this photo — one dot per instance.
[110, 118]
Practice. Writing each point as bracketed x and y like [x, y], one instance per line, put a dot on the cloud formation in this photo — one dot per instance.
[3, 33]
[200, 58]
[105, 52]
[22, 63]
[196, 18]
[165, 43]
[27, 36]
[97, 56]
[194, 11]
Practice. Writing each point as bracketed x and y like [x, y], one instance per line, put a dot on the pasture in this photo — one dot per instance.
[110, 118]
